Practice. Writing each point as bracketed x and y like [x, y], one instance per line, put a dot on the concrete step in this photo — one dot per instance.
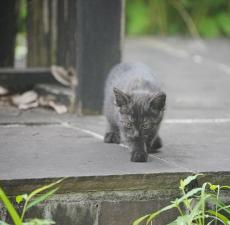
[104, 187]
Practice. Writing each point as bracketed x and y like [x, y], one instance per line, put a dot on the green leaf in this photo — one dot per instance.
[186, 181]
[38, 222]
[225, 187]
[155, 214]
[196, 211]
[203, 197]
[12, 211]
[43, 188]
[182, 184]
[182, 220]
[139, 220]
[37, 191]
[20, 198]
[187, 195]
[213, 187]
[41, 198]
[216, 219]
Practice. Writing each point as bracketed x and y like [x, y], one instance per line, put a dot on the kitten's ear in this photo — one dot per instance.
[121, 97]
[158, 101]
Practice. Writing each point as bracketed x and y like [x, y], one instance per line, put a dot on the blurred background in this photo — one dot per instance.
[183, 38]
[205, 18]
[188, 18]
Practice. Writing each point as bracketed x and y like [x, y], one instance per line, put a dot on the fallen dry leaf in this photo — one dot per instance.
[59, 108]
[65, 77]
[31, 99]
[28, 105]
[49, 102]
[3, 91]
[26, 100]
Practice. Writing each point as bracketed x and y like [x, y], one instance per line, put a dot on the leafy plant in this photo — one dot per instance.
[206, 18]
[199, 206]
[30, 200]
[138, 18]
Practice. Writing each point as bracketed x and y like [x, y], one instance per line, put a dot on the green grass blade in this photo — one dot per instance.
[141, 219]
[189, 194]
[220, 216]
[225, 187]
[221, 205]
[37, 191]
[183, 220]
[195, 212]
[225, 208]
[215, 219]
[202, 199]
[41, 198]
[43, 188]
[13, 213]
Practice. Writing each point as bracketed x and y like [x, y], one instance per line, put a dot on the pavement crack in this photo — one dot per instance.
[91, 133]
[28, 124]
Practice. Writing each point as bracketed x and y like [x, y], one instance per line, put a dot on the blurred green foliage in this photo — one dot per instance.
[22, 16]
[205, 18]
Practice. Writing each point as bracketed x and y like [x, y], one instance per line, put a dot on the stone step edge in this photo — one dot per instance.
[126, 182]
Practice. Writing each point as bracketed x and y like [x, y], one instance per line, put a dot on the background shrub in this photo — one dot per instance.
[205, 18]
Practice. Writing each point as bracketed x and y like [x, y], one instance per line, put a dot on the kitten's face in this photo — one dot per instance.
[140, 114]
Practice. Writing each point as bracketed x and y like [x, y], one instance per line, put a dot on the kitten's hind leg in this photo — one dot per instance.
[112, 135]
[152, 147]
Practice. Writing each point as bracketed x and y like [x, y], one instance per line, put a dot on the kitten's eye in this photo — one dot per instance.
[127, 125]
[145, 125]
[155, 112]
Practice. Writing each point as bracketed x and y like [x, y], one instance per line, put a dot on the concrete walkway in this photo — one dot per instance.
[196, 130]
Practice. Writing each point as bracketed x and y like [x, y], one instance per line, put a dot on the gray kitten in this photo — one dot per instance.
[134, 106]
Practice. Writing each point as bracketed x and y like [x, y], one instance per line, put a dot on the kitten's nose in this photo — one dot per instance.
[136, 134]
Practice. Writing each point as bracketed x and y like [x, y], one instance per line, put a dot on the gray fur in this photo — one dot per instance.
[134, 106]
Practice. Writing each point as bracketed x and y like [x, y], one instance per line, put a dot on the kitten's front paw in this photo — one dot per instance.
[156, 145]
[138, 156]
[112, 137]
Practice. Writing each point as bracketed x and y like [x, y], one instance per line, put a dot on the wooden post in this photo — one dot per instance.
[67, 33]
[8, 29]
[41, 33]
[100, 31]
[89, 39]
